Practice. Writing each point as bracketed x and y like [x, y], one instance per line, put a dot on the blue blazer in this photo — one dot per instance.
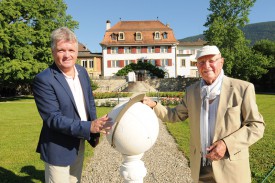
[62, 128]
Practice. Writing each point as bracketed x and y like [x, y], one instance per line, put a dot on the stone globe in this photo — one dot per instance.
[135, 128]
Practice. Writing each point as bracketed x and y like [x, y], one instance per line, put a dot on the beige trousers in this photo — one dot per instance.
[66, 174]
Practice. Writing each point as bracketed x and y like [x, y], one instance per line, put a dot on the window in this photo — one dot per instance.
[127, 49]
[193, 63]
[114, 37]
[164, 49]
[121, 36]
[138, 36]
[164, 62]
[165, 36]
[114, 50]
[157, 35]
[152, 61]
[91, 64]
[151, 49]
[183, 62]
[138, 50]
[115, 63]
[84, 63]
[127, 62]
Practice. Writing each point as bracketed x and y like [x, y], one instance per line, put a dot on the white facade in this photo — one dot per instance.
[186, 62]
[136, 57]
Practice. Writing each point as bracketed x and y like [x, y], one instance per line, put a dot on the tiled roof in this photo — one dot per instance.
[83, 51]
[147, 29]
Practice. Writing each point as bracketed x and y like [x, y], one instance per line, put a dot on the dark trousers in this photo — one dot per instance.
[206, 175]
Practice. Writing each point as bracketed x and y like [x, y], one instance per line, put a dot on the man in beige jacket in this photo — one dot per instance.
[224, 121]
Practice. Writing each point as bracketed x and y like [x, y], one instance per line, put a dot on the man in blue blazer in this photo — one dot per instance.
[66, 104]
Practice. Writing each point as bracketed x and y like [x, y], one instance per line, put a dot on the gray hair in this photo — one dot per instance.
[62, 33]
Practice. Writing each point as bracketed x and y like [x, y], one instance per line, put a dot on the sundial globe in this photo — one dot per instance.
[135, 127]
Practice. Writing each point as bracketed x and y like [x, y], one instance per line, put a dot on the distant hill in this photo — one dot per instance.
[253, 32]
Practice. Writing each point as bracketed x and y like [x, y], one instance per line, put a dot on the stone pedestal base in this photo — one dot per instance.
[133, 169]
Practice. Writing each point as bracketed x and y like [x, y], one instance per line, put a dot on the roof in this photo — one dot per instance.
[83, 51]
[146, 28]
[199, 42]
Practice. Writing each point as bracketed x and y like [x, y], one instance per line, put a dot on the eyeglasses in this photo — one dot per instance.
[211, 62]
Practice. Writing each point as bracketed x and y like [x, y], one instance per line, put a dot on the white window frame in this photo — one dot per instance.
[164, 49]
[157, 35]
[115, 63]
[164, 62]
[150, 49]
[138, 49]
[127, 49]
[114, 50]
[138, 36]
[121, 36]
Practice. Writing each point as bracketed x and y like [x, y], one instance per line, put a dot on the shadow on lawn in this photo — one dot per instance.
[30, 171]
[9, 99]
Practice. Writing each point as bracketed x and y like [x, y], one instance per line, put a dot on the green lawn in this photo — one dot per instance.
[20, 126]
[262, 154]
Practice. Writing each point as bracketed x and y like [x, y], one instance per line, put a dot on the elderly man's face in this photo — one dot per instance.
[209, 67]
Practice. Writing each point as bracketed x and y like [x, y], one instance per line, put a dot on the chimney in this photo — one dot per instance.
[167, 25]
[108, 24]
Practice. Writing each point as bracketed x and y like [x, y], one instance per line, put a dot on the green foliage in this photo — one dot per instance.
[25, 30]
[224, 31]
[155, 71]
[252, 32]
[267, 48]
[103, 95]
[94, 85]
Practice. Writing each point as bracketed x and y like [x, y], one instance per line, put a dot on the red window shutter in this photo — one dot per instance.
[134, 49]
[157, 49]
[121, 63]
[169, 62]
[109, 63]
[144, 49]
[120, 50]
[108, 50]
[134, 61]
[158, 63]
[169, 49]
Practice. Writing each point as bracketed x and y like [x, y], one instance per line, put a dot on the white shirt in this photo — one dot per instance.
[76, 89]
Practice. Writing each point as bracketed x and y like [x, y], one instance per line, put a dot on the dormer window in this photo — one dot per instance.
[157, 35]
[138, 36]
[114, 37]
[121, 36]
[165, 35]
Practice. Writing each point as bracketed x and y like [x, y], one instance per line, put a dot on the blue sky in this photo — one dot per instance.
[185, 17]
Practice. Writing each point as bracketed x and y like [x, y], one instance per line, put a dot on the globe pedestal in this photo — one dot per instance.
[133, 169]
[134, 131]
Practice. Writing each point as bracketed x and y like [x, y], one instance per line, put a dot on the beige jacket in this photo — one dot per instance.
[238, 123]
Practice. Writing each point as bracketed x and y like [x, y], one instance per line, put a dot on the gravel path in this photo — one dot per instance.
[164, 163]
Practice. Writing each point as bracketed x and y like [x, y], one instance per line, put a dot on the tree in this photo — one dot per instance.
[267, 82]
[141, 66]
[224, 23]
[25, 28]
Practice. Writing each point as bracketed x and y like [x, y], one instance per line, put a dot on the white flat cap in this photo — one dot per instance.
[207, 50]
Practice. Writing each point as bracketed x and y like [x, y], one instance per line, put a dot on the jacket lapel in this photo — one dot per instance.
[61, 79]
[226, 92]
